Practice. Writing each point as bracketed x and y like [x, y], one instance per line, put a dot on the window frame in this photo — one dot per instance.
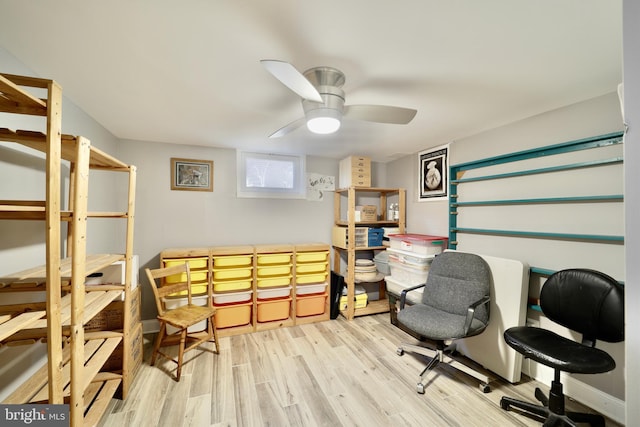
[298, 191]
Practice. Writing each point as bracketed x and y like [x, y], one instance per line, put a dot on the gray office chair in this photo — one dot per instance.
[454, 305]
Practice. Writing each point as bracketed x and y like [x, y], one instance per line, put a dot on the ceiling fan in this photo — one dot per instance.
[323, 100]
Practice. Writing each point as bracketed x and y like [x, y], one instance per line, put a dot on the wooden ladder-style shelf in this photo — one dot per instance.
[74, 357]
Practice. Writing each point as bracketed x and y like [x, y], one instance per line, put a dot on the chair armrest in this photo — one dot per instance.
[403, 294]
[472, 310]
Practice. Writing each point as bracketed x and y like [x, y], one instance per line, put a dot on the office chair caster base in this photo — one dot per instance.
[399, 351]
[420, 388]
[485, 388]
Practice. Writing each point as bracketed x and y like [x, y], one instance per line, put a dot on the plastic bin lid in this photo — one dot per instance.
[419, 237]
[409, 254]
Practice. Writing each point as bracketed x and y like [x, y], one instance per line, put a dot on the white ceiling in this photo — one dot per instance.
[188, 72]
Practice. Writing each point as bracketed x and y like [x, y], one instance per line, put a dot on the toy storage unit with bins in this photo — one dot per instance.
[259, 287]
[274, 279]
[312, 283]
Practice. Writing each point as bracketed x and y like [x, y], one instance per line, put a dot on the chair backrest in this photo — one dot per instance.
[586, 301]
[161, 288]
[455, 281]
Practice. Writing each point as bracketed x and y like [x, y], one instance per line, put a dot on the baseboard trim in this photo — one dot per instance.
[598, 400]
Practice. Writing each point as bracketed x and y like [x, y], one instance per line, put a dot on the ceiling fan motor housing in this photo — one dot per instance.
[323, 100]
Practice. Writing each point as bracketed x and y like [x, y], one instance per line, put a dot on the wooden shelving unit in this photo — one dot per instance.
[74, 357]
[351, 195]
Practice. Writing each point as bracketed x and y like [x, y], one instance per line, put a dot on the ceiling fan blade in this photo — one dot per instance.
[292, 78]
[288, 128]
[380, 113]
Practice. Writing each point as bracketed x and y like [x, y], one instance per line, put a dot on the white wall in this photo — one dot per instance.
[631, 47]
[590, 118]
[22, 177]
[170, 219]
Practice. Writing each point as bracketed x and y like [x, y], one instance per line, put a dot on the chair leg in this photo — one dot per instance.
[183, 340]
[212, 325]
[156, 346]
[552, 409]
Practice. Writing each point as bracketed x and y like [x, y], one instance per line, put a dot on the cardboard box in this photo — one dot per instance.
[114, 363]
[111, 317]
[366, 213]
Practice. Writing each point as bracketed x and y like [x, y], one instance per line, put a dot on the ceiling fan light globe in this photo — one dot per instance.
[323, 120]
[323, 125]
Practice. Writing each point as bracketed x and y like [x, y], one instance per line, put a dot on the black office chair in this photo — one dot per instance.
[585, 301]
[454, 305]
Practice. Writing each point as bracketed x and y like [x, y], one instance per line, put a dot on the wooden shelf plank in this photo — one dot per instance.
[97, 305]
[36, 385]
[94, 303]
[373, 307]
[38, 274]
[97, 359]
[22, 321]
[98, 395]
[38, 141]
[17, 100]
[35, 389]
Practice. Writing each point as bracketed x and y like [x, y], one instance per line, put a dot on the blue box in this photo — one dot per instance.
[375, 236]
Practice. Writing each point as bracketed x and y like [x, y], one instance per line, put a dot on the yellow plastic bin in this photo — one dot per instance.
[361, 301]
[232, 261]
[272, 259]
[274, 281]
[196, 289]
[232, 273]
[231, 285]
[311, 268]
[196, 275]
[303, 279]
[319, 256]
[274, 270]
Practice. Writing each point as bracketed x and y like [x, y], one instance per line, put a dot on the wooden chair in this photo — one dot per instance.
[180, 318]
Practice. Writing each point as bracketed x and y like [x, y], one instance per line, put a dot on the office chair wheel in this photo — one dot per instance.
[485, 388]
[399, 351]
[504, 404]
[420, 388]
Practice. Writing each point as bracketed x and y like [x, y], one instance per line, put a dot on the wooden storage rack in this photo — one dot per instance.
[74, 358]
[253, 252]
[351, 195]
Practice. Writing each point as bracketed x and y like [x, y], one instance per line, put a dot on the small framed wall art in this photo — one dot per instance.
[433, 179]
[191, 175]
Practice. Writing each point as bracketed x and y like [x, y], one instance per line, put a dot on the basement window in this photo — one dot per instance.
[264, 175]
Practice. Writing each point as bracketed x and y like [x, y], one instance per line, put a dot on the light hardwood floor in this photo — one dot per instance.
[334, 373]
